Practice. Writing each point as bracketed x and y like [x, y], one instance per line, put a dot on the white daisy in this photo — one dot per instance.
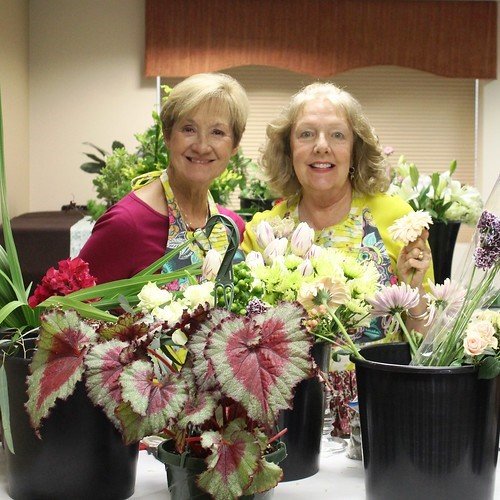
[409, 227]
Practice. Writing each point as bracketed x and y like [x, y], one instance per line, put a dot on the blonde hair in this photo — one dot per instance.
[207, 88]
[370, 172]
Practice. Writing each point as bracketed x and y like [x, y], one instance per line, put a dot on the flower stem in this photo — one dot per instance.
[413, 347]
[352, 346]
[277, 436]
[163, 359]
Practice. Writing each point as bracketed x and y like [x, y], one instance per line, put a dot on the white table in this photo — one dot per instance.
[339, 478]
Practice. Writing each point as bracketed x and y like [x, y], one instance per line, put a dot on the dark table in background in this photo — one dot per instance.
[42, 240]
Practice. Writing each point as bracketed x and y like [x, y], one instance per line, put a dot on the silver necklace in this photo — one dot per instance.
[189, 226]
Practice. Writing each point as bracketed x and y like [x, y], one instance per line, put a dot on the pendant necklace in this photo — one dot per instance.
[189, 226]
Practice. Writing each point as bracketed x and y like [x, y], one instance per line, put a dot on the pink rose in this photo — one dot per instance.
[474, 343]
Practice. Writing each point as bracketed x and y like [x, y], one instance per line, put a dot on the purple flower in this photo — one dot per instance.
[487, 253]
[394, 299]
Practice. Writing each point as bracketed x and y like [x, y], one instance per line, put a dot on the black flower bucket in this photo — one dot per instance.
[305, 421]
[427, 432]
[80, 456]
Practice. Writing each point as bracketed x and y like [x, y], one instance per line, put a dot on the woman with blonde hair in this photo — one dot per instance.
[323, 157]
[202, 121]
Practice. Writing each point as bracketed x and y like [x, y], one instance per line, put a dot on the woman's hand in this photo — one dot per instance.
[414, 261]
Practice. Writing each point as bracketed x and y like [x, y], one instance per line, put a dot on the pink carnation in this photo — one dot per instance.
[71, 275]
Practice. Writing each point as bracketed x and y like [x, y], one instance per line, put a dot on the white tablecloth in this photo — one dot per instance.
[339, 478]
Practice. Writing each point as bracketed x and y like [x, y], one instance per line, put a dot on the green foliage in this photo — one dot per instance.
[116, 171]
[98, 162]
[257, 189]
[234, 176]
[95, 209]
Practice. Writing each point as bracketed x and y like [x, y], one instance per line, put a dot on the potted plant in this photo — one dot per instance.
[216, 396]
[60, 458]
[447, 201]
[430, 411]
[334, 288]
[116, 171]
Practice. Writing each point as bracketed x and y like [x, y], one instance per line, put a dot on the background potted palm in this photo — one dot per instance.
[433, 417]
[447, 201]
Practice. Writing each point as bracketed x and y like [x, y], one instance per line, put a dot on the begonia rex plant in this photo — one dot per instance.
[211, 380]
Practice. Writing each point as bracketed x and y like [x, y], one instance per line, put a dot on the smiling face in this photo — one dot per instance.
[201, 145]
[321, 142]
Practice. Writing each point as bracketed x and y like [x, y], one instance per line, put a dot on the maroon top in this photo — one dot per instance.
[129, 237]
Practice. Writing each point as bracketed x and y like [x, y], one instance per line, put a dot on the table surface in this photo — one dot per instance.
[339, 478]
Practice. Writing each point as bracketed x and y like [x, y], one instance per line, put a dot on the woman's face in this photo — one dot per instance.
[321, 143]
[201, 145]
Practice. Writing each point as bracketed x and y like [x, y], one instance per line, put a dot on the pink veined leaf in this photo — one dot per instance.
[198, 409]
[259, 359]
[104, 367]
[202, 367]
[200, 405]
[267, 474]
[233, 461]
[154, 400]
[57, 364]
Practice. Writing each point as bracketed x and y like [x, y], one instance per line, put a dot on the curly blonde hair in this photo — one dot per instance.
[370, 165]
[214, 89]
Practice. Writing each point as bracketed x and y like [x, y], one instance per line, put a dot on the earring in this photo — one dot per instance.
[351, 172]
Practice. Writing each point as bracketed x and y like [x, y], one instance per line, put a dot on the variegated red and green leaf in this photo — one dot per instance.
[105, 364]
[202, 367]
[258, 360]
[267, 476]
[154, 400]
[233, 462]
[199, 408]
[57, 364]
[127, 328]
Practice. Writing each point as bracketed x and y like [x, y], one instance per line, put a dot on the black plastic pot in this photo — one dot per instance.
[305, 422]
[80, 456]
[427, 432]
[181, 476]
[442, 239]
[256, 204]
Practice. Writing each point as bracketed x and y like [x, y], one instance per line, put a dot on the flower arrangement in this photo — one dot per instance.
[332, 286]
[211, 380]
[461, 330]
[438, 194]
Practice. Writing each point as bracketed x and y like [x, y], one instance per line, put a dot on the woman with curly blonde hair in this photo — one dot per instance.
[323, 157]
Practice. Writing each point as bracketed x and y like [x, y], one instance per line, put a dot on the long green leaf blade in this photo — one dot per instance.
[13, 259]
[82, 308]
[8, 308]
[5, 410]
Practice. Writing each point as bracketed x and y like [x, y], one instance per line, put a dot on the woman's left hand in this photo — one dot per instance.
[414, 261]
